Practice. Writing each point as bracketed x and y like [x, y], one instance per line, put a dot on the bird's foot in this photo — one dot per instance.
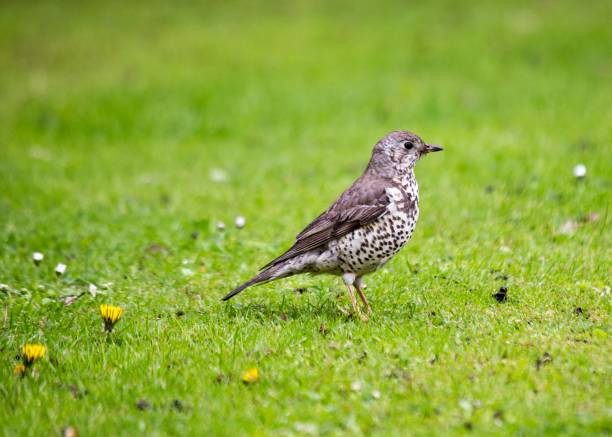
[364, 300]
[359, 315]
[348, 313]
[343, 310]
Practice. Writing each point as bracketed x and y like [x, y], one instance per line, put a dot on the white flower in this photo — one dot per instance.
[356, 386]
[69, 300]
[568, 228]
[580, 171]
[60, 269]
[4, 287]
[220, 226]
[37, 257]
[93, 290]
[376, 394]
[187, 272]
[240, 222]
[306, 428]
[466, 405]
[217, 175]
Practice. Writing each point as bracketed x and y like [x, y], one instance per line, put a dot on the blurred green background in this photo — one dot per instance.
[129, 129]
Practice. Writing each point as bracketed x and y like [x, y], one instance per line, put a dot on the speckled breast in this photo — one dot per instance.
[368, 248]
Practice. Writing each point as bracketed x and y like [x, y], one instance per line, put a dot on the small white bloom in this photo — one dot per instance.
[187, 272]
[4, 287]
[69, 300]
[217, 175]
[580, 171]
[568, 228]
[93, 290]
[356, 386]
[240, 222]
[505, 249]
[376, 394]
[60, 269]
[37, 257]
[220, 226]
[306, 428]
[466, 405]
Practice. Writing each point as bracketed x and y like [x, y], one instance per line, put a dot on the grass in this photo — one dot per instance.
[113, 117]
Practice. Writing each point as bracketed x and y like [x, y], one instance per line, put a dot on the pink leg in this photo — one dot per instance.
[349, 279]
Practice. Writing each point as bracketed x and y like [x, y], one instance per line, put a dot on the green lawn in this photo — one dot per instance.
[115, 118]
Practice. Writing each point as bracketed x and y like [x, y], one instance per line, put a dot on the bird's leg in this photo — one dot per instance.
[349, 279]
[360, 286]
[353, 300]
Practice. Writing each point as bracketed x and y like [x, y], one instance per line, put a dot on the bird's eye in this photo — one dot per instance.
[408, 145]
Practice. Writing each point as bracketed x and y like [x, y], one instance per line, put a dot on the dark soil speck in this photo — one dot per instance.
[579, 311]
[323, 330]
[178, 405]
[143, 405]
[543, 360]
[501, 295]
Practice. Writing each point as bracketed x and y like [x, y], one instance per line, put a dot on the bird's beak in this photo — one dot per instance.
[432, 148]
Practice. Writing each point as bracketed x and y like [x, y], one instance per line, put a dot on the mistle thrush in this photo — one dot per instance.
[362, 230]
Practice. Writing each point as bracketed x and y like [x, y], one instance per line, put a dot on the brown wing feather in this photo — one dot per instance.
[363, 202]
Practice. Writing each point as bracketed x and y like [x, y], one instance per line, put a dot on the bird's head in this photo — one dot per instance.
[398, 152]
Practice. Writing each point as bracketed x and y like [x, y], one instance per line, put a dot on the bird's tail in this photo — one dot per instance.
[265, 276]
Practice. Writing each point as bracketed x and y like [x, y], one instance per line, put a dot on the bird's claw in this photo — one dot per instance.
[352, 314]
[343, 311]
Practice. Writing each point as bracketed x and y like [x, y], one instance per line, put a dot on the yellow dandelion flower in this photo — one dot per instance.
[111, 315]
[32, 352]
[251, 376]
[20, 369]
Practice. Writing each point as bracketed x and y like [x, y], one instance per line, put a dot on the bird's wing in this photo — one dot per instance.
[363, 202]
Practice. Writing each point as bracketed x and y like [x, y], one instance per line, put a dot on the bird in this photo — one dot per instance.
[364, 228]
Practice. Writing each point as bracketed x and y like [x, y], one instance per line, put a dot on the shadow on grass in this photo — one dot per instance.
[323, 306]
[285, 310]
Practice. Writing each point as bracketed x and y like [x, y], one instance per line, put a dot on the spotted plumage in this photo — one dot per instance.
[368, 224]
